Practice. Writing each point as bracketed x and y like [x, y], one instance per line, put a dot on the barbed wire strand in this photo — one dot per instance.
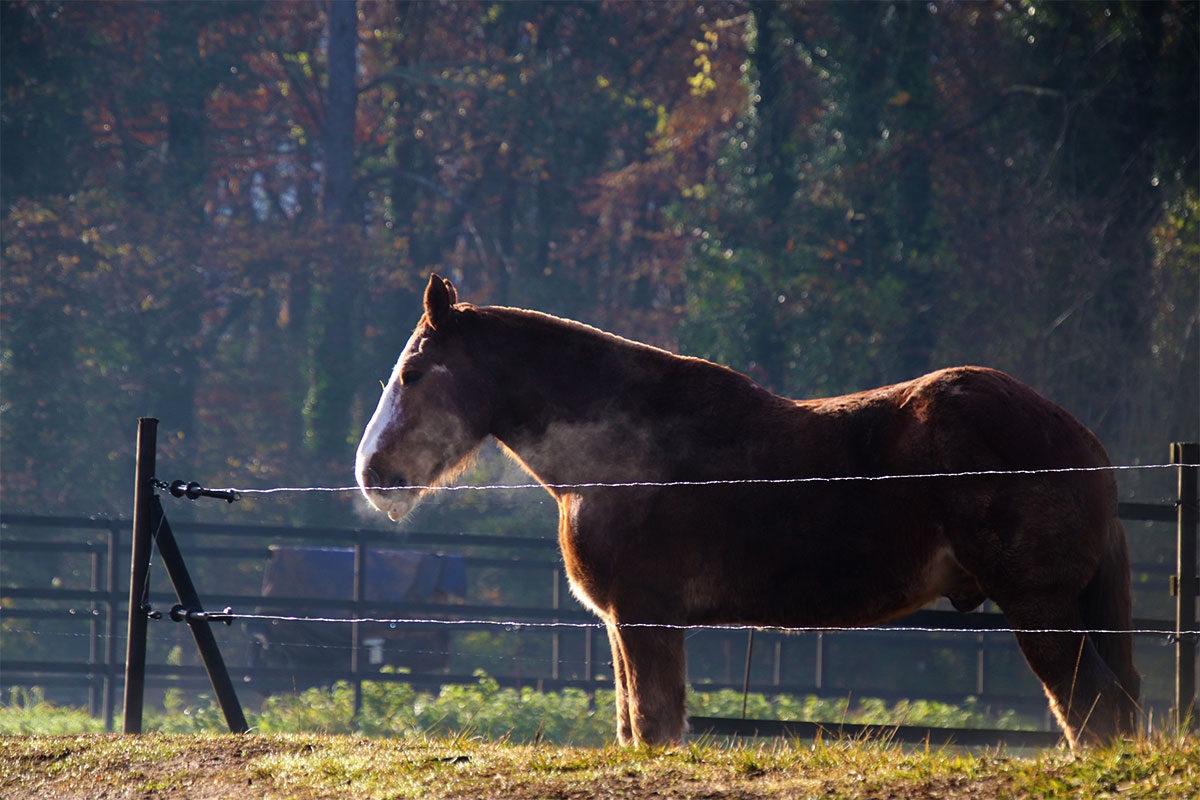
[736, 627]
[298, 645]
[730, 627]
[512, 624]
[714, 482]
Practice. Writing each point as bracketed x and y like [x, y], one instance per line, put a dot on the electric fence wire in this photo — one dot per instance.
[713, 482]
[511, 624]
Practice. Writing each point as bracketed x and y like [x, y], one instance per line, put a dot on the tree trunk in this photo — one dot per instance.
[331, 395]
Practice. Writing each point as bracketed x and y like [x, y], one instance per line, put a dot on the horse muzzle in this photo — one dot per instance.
[385, 491]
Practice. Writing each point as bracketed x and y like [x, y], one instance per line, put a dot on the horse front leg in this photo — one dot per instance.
[621, 687]
[651, 678]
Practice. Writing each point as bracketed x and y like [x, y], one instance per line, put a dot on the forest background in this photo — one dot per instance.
[221, 214]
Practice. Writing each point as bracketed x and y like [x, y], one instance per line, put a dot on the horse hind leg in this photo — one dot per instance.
[1089, 678]
[1085, 695]
[1106, 604]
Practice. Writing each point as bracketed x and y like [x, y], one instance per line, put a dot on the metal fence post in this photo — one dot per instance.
[112, 606]
[95, 678]
[819, 670]
[555, 637]
[139, 568]
[358, 594]
[1184, 584]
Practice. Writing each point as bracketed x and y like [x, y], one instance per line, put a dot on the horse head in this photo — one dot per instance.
[432, 415]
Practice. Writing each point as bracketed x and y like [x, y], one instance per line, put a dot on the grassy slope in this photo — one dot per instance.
[299, 767]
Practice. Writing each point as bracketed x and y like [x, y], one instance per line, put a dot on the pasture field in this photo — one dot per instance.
[310, 766]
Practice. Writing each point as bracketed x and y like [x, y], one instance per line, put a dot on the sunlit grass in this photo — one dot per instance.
[315, 766]
[484, 741]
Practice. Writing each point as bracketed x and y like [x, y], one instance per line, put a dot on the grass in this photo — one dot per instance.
[309, 766]
[485, 742]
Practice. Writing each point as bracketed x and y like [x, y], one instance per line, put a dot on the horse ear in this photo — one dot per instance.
[439, 296]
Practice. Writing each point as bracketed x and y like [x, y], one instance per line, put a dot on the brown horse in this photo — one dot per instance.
[717, 527]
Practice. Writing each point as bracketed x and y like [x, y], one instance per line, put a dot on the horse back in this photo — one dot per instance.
[954, 420]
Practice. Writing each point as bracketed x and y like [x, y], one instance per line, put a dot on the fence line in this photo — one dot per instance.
[1183, 636]
[514, 624]
[714, 482]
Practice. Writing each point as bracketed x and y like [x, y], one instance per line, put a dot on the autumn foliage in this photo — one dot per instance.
[824, 195]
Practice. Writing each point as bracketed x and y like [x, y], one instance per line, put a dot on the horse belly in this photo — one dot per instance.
[770, 570]
[778, 591]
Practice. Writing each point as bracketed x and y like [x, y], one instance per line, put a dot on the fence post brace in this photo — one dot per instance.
[150, 526]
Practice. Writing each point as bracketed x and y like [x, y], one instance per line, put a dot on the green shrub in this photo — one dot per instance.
[27, 712]
[867, 711]
[481, 709]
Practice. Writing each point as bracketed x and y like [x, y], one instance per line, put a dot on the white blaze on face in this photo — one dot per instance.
[387, 414]
[389, 403]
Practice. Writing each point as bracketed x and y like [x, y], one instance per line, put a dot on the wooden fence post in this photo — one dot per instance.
[1184, 584]
[139, 568]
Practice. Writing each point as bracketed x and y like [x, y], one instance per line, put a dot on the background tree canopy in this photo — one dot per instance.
[220, 214]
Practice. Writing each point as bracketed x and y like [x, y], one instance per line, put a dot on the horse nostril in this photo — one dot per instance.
[373, 480]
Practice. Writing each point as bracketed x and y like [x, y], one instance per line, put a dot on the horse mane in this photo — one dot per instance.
[696, 374]
[540, 322]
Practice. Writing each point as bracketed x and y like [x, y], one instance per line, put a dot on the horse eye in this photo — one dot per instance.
[410, 377]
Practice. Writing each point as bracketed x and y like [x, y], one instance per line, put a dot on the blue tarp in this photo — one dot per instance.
[392, 576]
[313, 574]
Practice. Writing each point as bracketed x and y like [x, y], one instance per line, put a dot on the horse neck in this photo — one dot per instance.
[568, 399]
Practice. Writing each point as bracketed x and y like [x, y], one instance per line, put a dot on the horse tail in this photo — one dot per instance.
[1107, 605]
